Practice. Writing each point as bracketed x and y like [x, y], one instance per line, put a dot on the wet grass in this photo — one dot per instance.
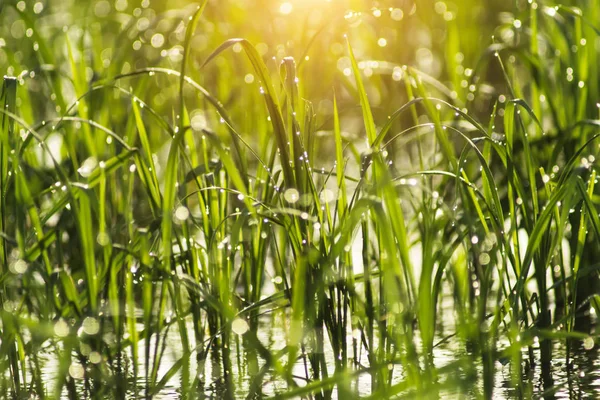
[299, 213]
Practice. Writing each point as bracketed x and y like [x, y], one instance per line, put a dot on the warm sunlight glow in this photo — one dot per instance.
[286, 8]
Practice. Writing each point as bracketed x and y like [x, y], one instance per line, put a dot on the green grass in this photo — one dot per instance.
[225, 200]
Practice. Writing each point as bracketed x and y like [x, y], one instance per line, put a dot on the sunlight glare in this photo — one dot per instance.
[286, 8]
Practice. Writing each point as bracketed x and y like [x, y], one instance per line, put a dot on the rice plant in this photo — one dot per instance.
[302, 199]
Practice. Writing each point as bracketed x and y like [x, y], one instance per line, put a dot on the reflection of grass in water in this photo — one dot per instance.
[181, 235]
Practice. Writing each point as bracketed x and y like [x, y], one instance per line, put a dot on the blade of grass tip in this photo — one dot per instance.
[364, 101]
[534, 50]
[189, 33]
[434, 114]
[80, 84]
[339, 156]
[529, 160]
[271, 100]
[164, 124]
[413, 112]
[288, 72]
[183, 114]
[232, 171]
[152, 179]
[111, 165]
[487, 152]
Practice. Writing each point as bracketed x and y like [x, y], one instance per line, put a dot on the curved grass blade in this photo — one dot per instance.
[271, 101]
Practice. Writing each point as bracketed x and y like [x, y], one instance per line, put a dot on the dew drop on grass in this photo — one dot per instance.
[157, 40]
[484, 258]
[103, 239]
[19, 267]
[239, 326]
[545, 178]
[291, 195]
[182, 213]
[397, 14]
[87, 167]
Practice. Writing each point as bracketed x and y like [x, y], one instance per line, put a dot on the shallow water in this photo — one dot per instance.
[578, 379]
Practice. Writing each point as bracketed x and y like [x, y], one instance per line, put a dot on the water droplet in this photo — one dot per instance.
[239, 326]
[182, 213]
[291, 195]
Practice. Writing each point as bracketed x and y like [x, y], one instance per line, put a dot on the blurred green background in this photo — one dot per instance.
[442, 39]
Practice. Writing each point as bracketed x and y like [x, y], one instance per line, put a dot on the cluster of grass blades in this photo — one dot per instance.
[256, 249]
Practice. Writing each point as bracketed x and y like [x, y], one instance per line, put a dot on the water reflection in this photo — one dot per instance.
[246, 375]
